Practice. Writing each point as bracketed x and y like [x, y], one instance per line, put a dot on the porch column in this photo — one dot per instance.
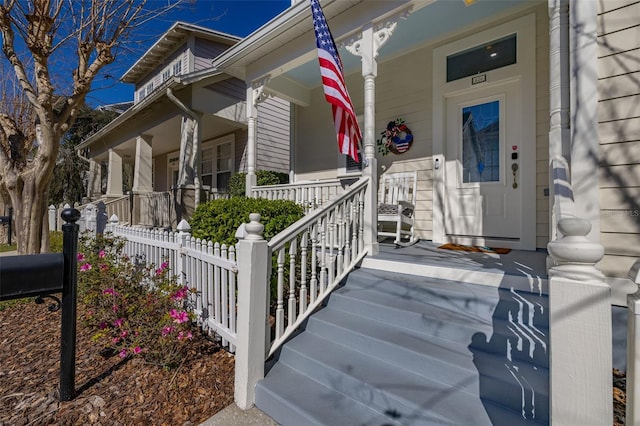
[114, 175]
[584, 112]
[559, 93]
[142, 167]
[252, 113]
[374, 36]
[95, 177]
[256, 94]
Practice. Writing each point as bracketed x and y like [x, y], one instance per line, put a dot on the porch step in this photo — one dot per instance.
[412, 351]
[522, 270]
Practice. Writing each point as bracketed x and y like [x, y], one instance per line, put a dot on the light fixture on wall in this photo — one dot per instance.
[469, 2]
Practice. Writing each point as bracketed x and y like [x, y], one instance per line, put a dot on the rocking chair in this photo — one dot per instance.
[396, 207]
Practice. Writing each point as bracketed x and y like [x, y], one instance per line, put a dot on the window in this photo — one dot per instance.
[490, 56]
[166, 74]
[217, 163]
[173, 162]
[145, 91]
[481, 142]
[177, 68]
[346, 165]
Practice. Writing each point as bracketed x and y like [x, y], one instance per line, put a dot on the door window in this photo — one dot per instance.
[481, 142]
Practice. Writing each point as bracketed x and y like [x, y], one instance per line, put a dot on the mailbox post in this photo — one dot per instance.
[43, 275]
[7, 221]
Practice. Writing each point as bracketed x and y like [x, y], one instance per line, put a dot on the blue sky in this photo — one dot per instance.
[236, 17]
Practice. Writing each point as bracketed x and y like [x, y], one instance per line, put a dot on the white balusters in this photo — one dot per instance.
[303, 271]
[280, 297]
[291, 308]
[208, 267]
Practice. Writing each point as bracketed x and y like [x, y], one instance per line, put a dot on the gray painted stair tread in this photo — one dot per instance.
[413, 314]
[422, 351]
[366, 334]
[413, 283]
[315, 404]
[391, 381]
[424, 354]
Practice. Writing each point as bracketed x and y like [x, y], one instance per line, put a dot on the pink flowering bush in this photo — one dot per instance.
[133, 310]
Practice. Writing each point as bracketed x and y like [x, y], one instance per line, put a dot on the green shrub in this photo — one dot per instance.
[263, 177]
[218, 220]
[55, 241]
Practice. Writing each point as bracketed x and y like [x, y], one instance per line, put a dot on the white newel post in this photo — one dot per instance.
[632, 416]
[253, 287]
[52, 217]
[184, 232]
[580, 329]
[112, 223]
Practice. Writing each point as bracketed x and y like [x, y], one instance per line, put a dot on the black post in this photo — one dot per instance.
[69, 296]
[10, 223]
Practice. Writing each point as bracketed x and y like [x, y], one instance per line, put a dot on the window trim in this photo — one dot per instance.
[213, 144]
[173, 166]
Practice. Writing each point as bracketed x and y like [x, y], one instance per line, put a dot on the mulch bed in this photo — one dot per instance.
[110, 391]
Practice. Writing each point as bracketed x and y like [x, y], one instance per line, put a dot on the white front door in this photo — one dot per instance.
[483, 173]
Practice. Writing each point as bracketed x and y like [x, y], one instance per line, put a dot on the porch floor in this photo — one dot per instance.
[526, 270]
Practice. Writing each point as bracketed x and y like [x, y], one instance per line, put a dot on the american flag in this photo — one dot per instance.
[335, 89]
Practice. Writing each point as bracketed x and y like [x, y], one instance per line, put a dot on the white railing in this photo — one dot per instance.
[209, 268]
[312, 256]
[119, 207]
[579, 314]
[310, 195]
[155, 208]
[318, 251]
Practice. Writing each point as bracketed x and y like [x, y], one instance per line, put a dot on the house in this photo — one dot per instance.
[185, 134]
[523, 116]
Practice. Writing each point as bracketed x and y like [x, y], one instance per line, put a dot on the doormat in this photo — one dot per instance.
[475, 249]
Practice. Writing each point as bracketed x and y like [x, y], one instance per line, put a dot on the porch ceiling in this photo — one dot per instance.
[165, 136]
[424, 26]
[287, 54]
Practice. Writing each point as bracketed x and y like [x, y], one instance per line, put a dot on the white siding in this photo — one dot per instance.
[619, 130]
[156, 75]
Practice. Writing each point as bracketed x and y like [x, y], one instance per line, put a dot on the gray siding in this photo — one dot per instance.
[274, 135]
[619, 130]
[205, 51]
[232, 87]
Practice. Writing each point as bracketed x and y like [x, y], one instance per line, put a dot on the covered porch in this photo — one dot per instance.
[174, 149]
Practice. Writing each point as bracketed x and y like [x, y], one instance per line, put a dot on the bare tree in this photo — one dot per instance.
[80, 37]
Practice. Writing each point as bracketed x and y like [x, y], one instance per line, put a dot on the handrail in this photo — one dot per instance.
[313, 256]
[280, 239]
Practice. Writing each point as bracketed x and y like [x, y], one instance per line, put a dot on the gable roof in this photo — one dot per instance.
[172, 38]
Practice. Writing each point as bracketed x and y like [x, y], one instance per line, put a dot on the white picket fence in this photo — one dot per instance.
[209, 268]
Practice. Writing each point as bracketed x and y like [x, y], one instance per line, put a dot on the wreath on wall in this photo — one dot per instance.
[396, 138]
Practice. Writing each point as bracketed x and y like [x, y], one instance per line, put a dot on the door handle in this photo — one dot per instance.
[514, 168]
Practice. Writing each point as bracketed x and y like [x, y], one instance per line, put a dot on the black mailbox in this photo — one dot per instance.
[32, 275]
